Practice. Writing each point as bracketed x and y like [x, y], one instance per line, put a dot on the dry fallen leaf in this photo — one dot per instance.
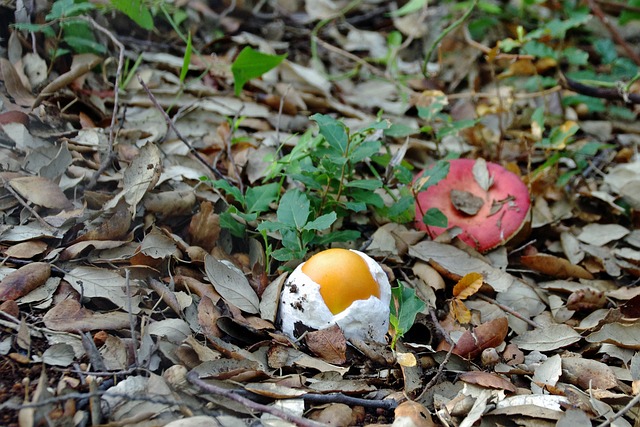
[471, 343]
[41, 191]
[488, 380]
[456, 262]
[70, 316]
[588, 373]
[329, 344]
[554, 266]
[23, 280]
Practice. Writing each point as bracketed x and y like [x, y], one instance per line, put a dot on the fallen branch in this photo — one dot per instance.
[600, 92]
[194, 379]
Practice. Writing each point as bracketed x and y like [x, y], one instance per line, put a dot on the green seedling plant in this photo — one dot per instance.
[336, 174]
[297, 232]
[249, 206]
[404, 306]
[65, 22]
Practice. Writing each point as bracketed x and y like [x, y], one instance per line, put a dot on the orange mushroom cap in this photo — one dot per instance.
[343, 276]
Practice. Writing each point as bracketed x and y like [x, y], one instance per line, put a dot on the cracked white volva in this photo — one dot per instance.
[302, 303]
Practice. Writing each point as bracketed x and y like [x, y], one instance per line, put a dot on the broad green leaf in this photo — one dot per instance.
[435, 218]
[294, 209]
[364, 151]
[322, 222]
[251, 64]
[365, 196]
[333, 131]
[136, 10]
[404, 306]
[437, 105]
[259, 198]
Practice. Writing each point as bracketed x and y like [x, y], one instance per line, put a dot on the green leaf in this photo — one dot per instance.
[576, 56]
[337, 236]
[227, 221]
[322, 222]
[294, 209]
[368, 197]
[230, 189]
[136, 10]
[63, 8]
[436, 106]
[365, 184]
[251, 64]
[455, 127]
[259, 198]
[410, 7]
[272, 226]
[35, 28]
[539, 50]
[405, 305]
[186, 61]
[364, 151]
[333, 131]
[433, 175]
[435, 218]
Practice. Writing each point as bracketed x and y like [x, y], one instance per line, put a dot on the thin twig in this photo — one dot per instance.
[387, 404]
[595, 8]
[445, 33]
[440, 370]
[488, 51]
[132, 319]
[599, 92]
[194, 378]
[173, 127]
[508, 310]
[116, 99]
[629, 406]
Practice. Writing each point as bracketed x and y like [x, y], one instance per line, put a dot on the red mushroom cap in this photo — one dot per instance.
[492, 217]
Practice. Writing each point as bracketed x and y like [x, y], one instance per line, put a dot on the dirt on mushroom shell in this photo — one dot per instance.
[302, 307]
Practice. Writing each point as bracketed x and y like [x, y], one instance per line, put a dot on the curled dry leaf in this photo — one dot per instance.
[554, 266]
[488, 380]
[113, 227]
[204, 228]
[70, 316]
[23, 280]
[471, 343]
[329, 344]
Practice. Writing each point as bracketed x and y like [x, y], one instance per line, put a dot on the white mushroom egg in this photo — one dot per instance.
[337, 286]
